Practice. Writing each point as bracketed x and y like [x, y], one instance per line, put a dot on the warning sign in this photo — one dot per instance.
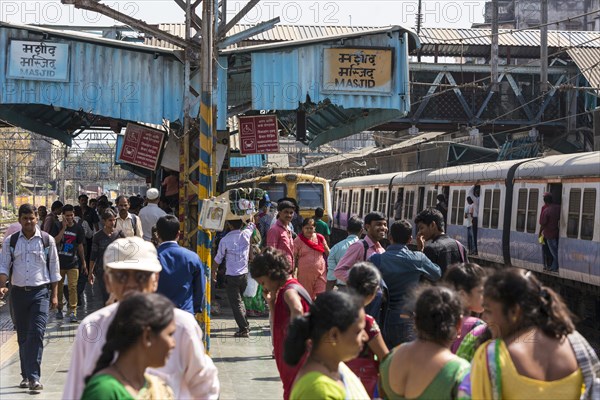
[259, 134]
[142, 146]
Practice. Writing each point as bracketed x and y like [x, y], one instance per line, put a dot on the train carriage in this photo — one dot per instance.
[510, 202]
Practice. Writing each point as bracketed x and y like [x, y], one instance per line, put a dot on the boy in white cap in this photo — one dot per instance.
[131, 265]
[151, 213]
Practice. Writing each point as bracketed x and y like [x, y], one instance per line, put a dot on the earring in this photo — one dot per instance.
[148, 344]
[333, 344]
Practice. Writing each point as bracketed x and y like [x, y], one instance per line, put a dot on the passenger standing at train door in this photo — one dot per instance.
[472, 245]
[549, 220]
[474, 193]
[440, 248]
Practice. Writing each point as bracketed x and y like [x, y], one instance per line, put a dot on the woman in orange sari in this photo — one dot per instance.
[310, 254]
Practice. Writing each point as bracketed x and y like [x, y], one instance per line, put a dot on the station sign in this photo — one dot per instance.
[259, 134]
[142, 146]
[38, 61]
[367, 70]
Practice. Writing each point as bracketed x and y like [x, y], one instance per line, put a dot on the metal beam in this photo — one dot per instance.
[238, 17]
[519, 94]
[255, 30]
[549, 97]
[196, 21]
[485, 68]
[427, 97]
[126, 19]
[461, 98]
[487, 99]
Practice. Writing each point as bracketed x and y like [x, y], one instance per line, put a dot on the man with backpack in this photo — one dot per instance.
[70, 241]
[127, 223]
[52, 223]
[376, 228]
[29, 257]
[401, 270]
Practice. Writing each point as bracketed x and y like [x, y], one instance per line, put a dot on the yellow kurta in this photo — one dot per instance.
[516, 386]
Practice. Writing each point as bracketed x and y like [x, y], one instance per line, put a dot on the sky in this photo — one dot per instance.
[436, 13]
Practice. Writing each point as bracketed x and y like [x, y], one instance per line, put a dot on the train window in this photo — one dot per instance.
[276, 190]
[491, 208]
[521, 210]
[573, 216]
[588, 211]
[310, 195]
[457, 216]
[383, 202]
[532, 208]
[339, 201]
[431, 198]
[392, 202]
[344, 202]
[355, 202]
[409, 204]
[368, 202]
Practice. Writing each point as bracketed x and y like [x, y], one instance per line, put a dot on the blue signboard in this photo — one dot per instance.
[38, 61]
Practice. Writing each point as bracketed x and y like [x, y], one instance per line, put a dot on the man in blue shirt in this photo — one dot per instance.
[355, 227]
[182, 277]
[401, 270]
[33, 267]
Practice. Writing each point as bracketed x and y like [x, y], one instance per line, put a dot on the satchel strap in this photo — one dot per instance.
[587, 360]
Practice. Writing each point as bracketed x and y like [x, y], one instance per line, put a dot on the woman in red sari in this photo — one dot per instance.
[310, 255]
[287, 299]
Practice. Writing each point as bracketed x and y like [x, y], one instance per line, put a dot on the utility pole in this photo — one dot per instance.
[494, 49]
[544, 48]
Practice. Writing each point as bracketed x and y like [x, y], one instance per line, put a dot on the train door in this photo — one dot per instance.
[556, 190]
[376, 200]
[398, 207]
[350, 204]
[421, 199]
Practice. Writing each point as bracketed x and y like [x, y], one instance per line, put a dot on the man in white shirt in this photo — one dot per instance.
[34, 267]
[188, 371]
[127, 223]
[151, 213]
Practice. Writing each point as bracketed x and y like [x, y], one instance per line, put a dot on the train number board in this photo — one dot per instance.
[259, 134]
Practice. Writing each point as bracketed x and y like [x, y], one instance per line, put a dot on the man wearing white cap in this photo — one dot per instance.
[131, 265]
[151, 213]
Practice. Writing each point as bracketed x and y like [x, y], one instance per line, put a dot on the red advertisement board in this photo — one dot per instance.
[142, 146]
[259, 134]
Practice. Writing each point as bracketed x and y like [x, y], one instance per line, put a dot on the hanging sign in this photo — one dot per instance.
[357, 70]
[38, 61]
[142, 146]
[259, 134]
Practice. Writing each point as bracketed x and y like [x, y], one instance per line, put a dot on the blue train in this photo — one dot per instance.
[510, 202]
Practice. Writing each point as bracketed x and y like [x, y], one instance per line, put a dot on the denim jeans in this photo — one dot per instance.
[553, 247]
[470, 240]
[31, 315]
[398, 331]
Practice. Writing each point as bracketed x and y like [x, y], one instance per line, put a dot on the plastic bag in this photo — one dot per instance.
[251, 288]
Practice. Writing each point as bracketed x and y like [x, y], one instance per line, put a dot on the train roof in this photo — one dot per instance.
[564, 165]
[289, 176]
[492, 171]
[383, 179]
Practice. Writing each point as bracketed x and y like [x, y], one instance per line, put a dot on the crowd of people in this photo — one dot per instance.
[389, 312]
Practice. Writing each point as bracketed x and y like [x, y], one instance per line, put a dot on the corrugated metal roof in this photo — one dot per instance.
[476, 42]
[107, 79]
[342, 157]
[248, 161]
[588, 60]
[89, 38]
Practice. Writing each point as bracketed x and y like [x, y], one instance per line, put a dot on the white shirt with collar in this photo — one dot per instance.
[149, 215]
[189, 371]
[29, 267]
[126, 225]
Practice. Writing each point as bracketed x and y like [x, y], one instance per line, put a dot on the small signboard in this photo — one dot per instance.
[142, 146]
[357, 70]
[259, 134]
[38, 61]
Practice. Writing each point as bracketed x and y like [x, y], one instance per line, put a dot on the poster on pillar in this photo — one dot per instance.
[142, 146]
[357, 70]
[259, 134]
